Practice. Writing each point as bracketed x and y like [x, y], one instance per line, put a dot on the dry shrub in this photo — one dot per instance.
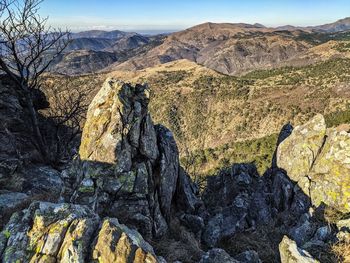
[264, 241]
[179, 244]
[342, 251]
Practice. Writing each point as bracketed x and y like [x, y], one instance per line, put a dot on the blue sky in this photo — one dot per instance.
[140, 15]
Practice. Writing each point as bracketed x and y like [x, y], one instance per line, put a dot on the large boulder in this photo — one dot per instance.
[291, 253]
[318, 159]
[130, 167]
[47, 232]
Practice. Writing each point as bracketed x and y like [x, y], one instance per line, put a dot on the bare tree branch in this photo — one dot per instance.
[68, 106]
[27, 48]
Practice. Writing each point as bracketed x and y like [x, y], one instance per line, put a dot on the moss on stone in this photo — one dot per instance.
[86, 189]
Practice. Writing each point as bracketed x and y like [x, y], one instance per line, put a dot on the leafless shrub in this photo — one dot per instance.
[27, 48]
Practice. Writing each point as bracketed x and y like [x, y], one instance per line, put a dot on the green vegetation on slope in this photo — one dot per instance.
[336, 118]
[220, 119]
[258, 151]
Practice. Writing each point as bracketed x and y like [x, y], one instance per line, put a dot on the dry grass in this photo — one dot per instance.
[179, 244]
[264, 241]
[342, 251]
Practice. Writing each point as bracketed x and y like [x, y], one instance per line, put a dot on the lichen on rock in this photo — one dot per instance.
[318, 159]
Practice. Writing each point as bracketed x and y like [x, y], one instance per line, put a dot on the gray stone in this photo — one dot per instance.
[318, 160]
[48, 232]
[304, 230]
[291, 253]
[217, 255]
[249, 256]
[169, 168]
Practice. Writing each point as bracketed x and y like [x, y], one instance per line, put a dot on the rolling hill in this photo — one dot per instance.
[231, 49]
[213, 115]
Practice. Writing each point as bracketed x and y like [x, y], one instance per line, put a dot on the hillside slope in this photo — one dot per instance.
[224, 118]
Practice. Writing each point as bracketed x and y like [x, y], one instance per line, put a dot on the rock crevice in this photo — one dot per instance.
[142, 173]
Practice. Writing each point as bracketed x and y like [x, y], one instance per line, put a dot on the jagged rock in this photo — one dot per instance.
[169, 168]
[288, 196]
[148, 139]
[9, 203]
[284, 134]
[297, 153]
[343, 227]
[249, 256]
[195, 223]
[117, 243]
[235, 200]
[291, 253]
[16, 144]
[42, 180]
[318, 159]
[28, 183]
[131, 167]
[303, 231]
[185, 196]
[48, 232]
[323, 233]
[217, 255]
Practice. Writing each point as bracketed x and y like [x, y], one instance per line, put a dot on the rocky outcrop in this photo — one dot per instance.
[236, 200]
[290, 253]
[47, 232]
[17, 142]
[130, 166]
[127, 186]
[318, 159]
[217, 255]
[23, 176]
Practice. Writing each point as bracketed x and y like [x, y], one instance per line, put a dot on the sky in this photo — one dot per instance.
[168, 16]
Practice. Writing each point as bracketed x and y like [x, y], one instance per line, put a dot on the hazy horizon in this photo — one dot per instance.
[160, 16]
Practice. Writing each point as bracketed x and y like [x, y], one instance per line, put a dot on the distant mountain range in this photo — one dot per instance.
[227, 48]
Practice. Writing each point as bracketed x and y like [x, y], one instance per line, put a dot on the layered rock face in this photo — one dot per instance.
[291, 253]
[47, 232]
[130, 166]
[318, 159]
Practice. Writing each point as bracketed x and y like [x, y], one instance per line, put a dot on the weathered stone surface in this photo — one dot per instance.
[169, 168]
[9, 200]
[186, 194]
[318, 159]
[235, 200]
[249, 256]
[303, 231]
[9, 203]
[103, 127]
[141, 176]
[217, 255]
[296, 154]
[284, 134]
[117, 243]
[148, 139]
[291, 253]
[48, 232]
